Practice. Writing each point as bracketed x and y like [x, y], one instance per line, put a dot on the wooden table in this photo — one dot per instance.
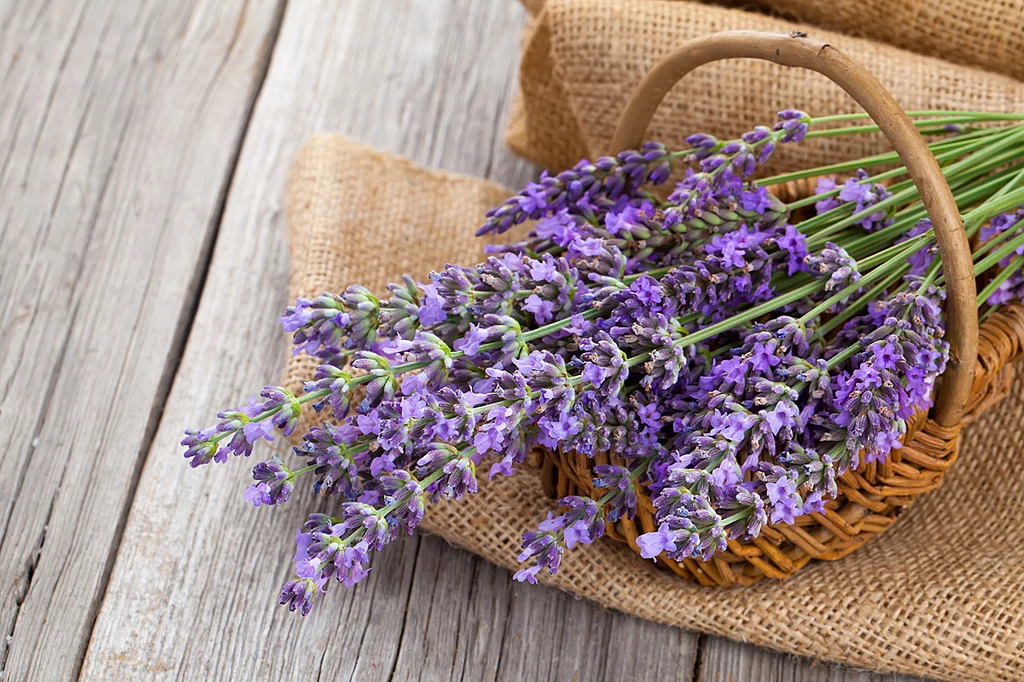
[143, 261]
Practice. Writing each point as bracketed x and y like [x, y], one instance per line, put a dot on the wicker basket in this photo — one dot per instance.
[978, 375]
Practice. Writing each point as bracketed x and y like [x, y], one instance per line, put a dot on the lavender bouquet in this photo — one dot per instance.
[735, 358]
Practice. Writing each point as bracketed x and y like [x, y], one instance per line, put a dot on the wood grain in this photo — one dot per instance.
[726, 661]
[119, 125]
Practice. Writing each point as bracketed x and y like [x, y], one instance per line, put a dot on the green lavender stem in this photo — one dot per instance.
[973, 140]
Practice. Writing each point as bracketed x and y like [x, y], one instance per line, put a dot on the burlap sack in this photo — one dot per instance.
[984, 33]
[582, 58]
[938, 595]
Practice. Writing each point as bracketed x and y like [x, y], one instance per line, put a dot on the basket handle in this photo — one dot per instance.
[796, 49]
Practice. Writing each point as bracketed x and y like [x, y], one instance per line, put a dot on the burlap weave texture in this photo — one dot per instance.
[582, 58]
[984, 33]
[938, 595]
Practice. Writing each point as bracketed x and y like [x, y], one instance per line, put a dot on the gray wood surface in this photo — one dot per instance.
[136, 173]
[726, 661]
[119, 127]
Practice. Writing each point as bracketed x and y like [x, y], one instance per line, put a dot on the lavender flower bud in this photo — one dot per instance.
[457, 288]
[623, 503]
[403, 313]
[274, 484]
[459, 472]
[818, 470]
[746, 508]
[384, 384]
[326, 447]
[703, 144]
[547, 374]
[834, 263]
[288, 408]
[330, 378]
[363, 309]
[606, 365]
[497, 286]
[454, 417]
[795, 123]
[668, 357]
[201, 448]
[756, 135]
[507, 330]
[319, 325]
[403, 493]
[299, 594]
[428, 348]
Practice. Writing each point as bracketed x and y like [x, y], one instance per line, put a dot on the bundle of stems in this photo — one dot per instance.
[733, 358]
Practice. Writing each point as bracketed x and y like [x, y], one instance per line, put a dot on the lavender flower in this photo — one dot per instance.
[609, 177]
[859, 193]
[244, 426]
[1012, 287]
[1003, 222]
[383, 384]
[623, 500]
[299, 594]
[274, 484]
[899, 336]
[607, 366]
[622, 325]
[922, 259]
[795, 123]
[834, 264]
[336, 384]
[583, 523]
[458, 472]
[337, 463]
[411, 306]
[324, 325]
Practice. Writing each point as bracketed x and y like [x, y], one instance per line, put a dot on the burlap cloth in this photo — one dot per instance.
[582, 58]
[941, 594]
[985, 33]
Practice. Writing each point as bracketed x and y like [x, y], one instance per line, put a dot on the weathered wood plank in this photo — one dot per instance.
[552, 636]
[726, 661]
[119, 125]
[467, 620]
